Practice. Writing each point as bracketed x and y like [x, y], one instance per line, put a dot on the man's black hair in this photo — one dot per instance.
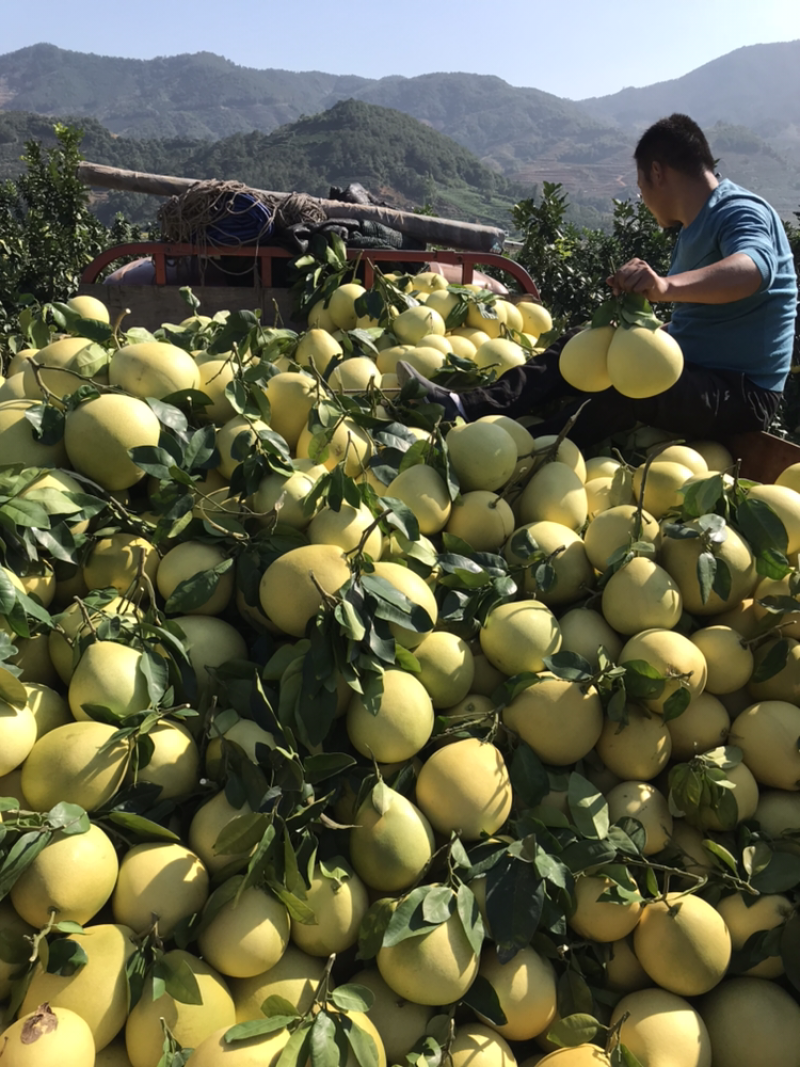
[676, 142]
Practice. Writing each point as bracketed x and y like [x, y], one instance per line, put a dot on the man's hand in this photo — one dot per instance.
[636, 276]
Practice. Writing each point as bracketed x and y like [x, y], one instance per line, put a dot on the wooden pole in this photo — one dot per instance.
[467, 236]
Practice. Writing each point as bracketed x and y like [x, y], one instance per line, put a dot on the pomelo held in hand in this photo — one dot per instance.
[643, 362]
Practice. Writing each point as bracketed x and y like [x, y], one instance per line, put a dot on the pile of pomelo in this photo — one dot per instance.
[333, 733]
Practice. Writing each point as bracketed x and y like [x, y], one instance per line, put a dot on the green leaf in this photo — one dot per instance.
[156, 672]
[781, 874]
[790, 949]
[761, 527]
[408, 919]
[68, 818]
[275, 1005]
[193, 592]
[324, 1052]
[772, 663]
[373, 928]
[144, 828]
[352, 997]
[702, 497]
[326, 765]
[676, 703]
[514, 902]
[587, 807]
[12, 691]
[295, 1052]
[257, 1028]
[722, 854]
[528, 777]
[642, 681]
[438, 905]
[706, 574]
[483, 999]
[177, 979]
[578, 1029]
[65, 957]
[361, 1043]
[20, 856]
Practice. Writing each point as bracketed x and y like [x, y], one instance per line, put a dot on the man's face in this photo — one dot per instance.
[654, 190]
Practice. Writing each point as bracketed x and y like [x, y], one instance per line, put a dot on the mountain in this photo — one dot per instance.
[748, 101]
[756, 86]
[392, 154]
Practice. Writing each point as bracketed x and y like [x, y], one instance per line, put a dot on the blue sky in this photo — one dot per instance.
[573, 48]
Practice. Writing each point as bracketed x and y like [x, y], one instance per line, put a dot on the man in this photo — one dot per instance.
[733, 283]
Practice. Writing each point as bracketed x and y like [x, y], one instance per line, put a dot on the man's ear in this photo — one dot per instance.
[656, 173]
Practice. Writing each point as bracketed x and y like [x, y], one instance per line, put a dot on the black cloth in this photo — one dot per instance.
[702, 403]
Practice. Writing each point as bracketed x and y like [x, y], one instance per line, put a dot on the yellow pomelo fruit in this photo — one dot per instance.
[191, 558]
[624, 973]
[767, 734]
[785, 502]
[392, 841]
[246, 936]
[604, 493]
[89, 307]
[320, 318]
[567, 453]
[744, 919]
[210, 642]
[790, 477]
[751, 1021]
[338, 905]
[442, 302]
[18, 361]
[785, 684]
[462, 346]
[19, 444]
[679, 557]
[576, 1056]
[554, 494]
[161, 882]
[614, 529]
[465, 787]
[345, 529]
[400, 1023]
[729, 662]
[418, 592]
[341, 305]
[745, 793]
[559, 721]
[14, 934]
[423, 490]
[316, 348]
[17, 735]
[585, 631]
[483, 455]
[437, 967]
[741, 618]
[174, 762]
[522, 438]
[153, 368]
[536, 319]
[663, 1030]
[414, 323]
[641, 596]
[476, 1045]
[673, 656]
[113, 1055]
[208, 822]
[115, 560]
[190, 1024]
[349, 443]
[261, 1051]
[574, 575]
[49, 1037]
[702, 726]
[475, 336]
[214, 375]
[683, 944]
[355, 375]
[288, 593]
[642, 801]
[74, 874]
[601, 920]
[291, 397]
[61, 368]
[686, 456]
[688, 842]
[778, 811]
[388, 358]
[500, 354]
[661, 487]
[716, 455]
[433, 340]
[97, 991]
[583, 362]
[294, 977]
[789, 620]
[643, 362]
[112, 675]
[638, 749]
[516, 637]
[245, 733]
[487, 676]
[526, 989]
[33, 659]
[228, 437]
[403, 724]
[601, 467]
[99, 433]
[482, 519]
[447, 668]
[69, 764]
[287, 495]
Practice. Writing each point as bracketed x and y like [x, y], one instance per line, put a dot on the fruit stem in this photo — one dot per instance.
[87, 619]
[637, 526]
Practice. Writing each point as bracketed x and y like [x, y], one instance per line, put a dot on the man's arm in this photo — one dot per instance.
[732, 278]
